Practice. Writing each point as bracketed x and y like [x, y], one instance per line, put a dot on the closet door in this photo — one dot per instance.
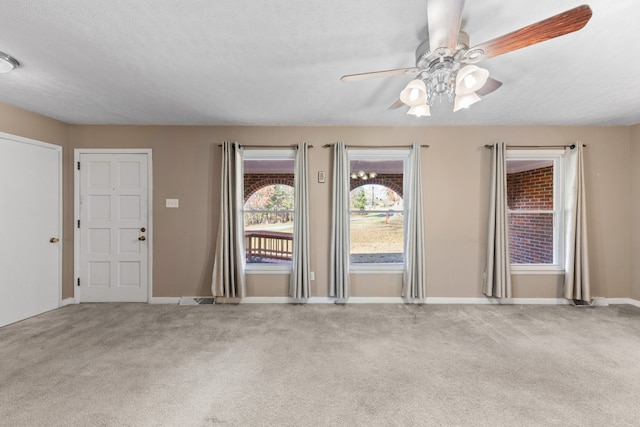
[30, 228]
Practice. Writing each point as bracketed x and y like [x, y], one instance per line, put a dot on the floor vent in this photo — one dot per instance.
[196, 300]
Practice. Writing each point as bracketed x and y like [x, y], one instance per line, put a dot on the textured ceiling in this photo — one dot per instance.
[242, 62]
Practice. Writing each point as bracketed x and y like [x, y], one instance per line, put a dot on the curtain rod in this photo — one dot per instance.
[269, 146]
[572, 146]
[375, 146]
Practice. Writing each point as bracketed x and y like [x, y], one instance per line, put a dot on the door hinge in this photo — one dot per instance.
[78, 165]
[78, 281]
[78, 223]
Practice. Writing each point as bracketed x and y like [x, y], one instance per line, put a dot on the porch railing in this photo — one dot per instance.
[275, 245]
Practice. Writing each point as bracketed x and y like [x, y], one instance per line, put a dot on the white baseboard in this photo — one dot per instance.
[396, 300]
[400, 300]
[68, 301]
[324, 300]
[286, 300]
[630, 301]
[539, 301]
[164, 300]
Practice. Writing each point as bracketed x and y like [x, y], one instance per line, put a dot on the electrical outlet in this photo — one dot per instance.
[312, 275]
[172, 203]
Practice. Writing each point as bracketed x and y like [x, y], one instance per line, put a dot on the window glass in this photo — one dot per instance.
[268, 209]
[534, 210]
[377, 208]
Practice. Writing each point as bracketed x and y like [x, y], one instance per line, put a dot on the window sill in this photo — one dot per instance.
[536, 269]
[272, 269]
[376, 268]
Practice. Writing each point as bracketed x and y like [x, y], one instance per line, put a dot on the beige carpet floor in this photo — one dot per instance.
[322, 365]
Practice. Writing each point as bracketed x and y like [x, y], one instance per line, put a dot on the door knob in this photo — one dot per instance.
[54, 240]
[142, 238]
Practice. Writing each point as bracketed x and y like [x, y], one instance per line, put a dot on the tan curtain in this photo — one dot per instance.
[414, 280]
[576, 278]
[339, 271]
[228, 264]
[497, 272]
[300, 285]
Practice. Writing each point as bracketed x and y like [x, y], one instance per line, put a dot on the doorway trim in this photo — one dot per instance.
[76, 212]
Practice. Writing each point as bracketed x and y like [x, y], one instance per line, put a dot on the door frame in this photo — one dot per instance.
[58, 149]
[76, 212]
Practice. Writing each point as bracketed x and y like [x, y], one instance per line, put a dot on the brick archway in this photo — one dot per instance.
[392, 181]
[254, 182]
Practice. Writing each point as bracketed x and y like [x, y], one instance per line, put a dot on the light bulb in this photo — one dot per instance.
[469, 81]
[414, 94]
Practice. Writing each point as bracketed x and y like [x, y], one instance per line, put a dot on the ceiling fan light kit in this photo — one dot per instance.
[420, 110]
[465, 100]
[470, 79]
[415, 93]
[445, 63]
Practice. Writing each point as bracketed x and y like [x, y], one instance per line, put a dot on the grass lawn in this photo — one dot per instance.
[371, 234]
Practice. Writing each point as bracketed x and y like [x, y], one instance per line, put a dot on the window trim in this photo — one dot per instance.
[383, 154]
[558, 158]
[264, 154]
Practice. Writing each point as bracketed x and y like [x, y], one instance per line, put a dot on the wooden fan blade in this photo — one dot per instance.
[444, 18]
[490, 86]
[396, 104]
[375, 74]
[558, 25]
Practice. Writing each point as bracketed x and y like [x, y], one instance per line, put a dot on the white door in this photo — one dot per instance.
[114, 221]
[30, 228]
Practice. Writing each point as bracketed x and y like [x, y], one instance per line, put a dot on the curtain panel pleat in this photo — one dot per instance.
[339, 271]
[414, 275]
[576, 278]
[300, 285]
[497, 272]
[228, 265]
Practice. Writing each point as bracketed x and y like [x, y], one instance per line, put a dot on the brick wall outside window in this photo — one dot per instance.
[392, 181]
[255, 181]
[531, 234]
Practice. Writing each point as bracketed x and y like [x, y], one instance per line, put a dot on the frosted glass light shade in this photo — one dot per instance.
[466, 100]
[414, 94]
[470, 78]
[7, 63]
[420, 110]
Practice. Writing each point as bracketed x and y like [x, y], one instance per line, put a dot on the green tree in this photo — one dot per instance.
[281, 199]
[359, 199]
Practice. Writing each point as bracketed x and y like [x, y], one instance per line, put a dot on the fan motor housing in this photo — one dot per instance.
[424, 56]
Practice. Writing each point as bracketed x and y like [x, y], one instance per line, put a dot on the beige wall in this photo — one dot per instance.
[24, 123]
[186, 166]
[635, 211]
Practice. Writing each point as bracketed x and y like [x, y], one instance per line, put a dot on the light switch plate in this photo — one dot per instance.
[322, 176]
[173, 203]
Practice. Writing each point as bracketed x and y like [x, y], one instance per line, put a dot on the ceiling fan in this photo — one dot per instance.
[445, 62]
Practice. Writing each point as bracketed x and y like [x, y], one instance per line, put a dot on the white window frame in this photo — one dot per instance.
[264, 154]
[557, 156]
[383, 154]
